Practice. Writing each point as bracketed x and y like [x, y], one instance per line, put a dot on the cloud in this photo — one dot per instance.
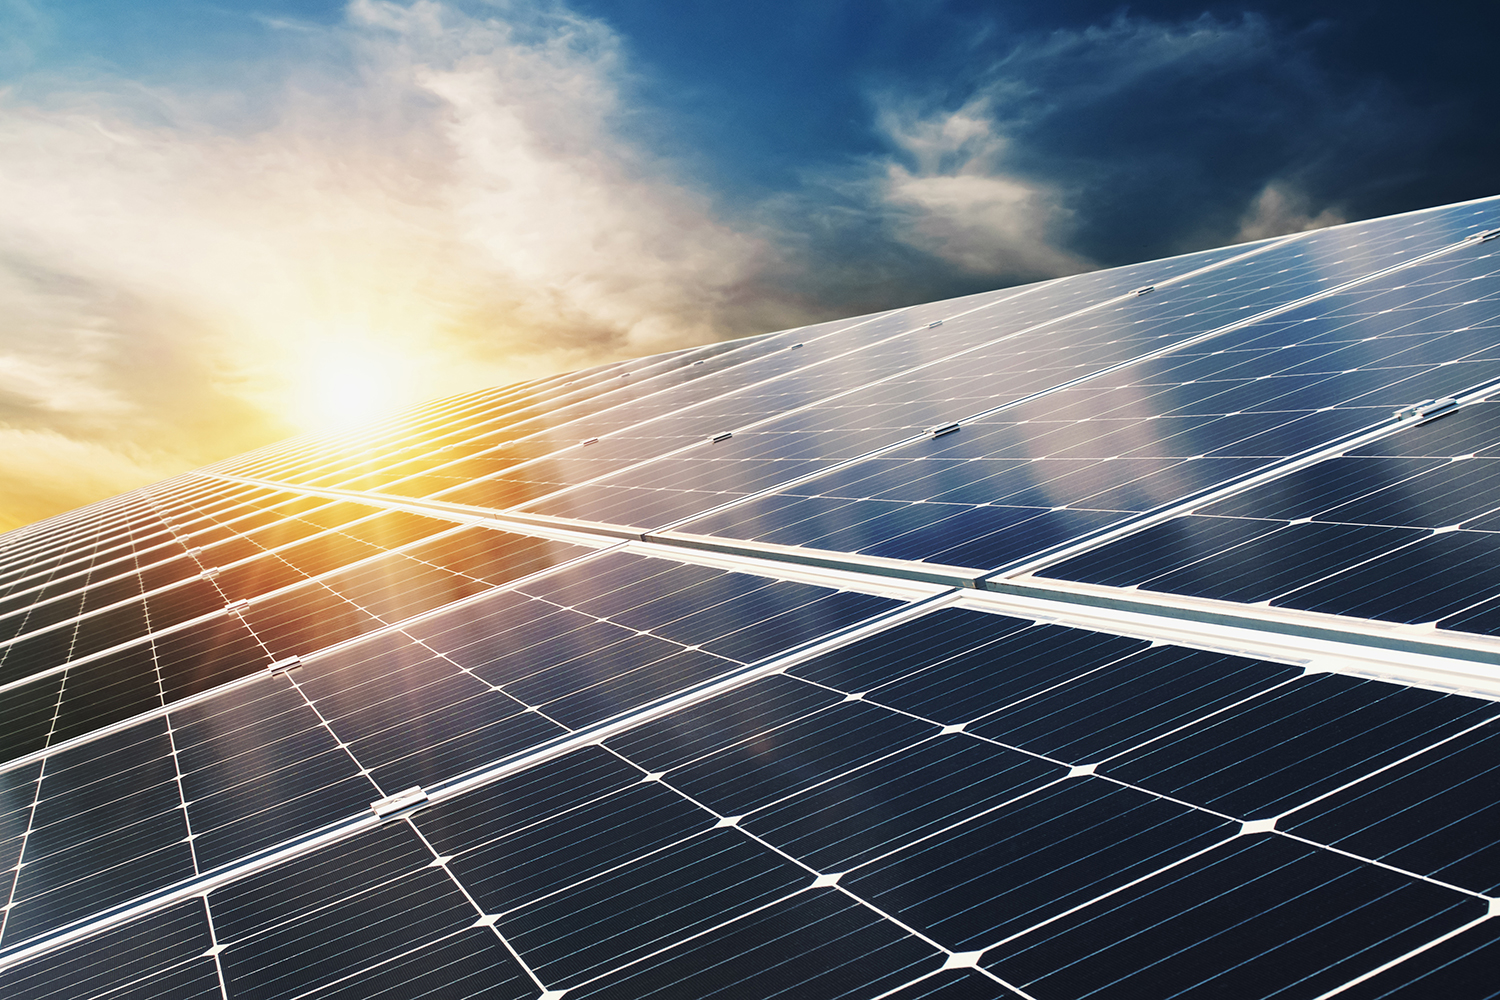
[451, 199]
[1126, 140]
[953, 197]
[1281, 208]
[46, 471]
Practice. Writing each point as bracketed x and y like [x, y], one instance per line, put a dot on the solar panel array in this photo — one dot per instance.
[1128, 634]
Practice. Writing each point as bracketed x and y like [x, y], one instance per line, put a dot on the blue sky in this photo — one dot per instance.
[211, 214]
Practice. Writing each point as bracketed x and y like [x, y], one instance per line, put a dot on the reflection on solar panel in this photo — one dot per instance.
[1130, 634]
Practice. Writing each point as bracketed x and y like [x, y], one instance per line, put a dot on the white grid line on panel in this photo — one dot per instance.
[478, 910]
[475, 778]
[865, 387]
[1401, 653]
[1387, 428]
[982, 414]
[1413, 953]
[214, 948]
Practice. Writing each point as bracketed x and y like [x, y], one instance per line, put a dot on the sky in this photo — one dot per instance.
[225, 223]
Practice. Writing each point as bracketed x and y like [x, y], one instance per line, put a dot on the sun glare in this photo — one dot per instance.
[349, 383]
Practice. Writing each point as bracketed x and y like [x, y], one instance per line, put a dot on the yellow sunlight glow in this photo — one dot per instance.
[347, 382]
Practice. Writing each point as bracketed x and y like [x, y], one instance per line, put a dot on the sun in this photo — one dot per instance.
[348, 382]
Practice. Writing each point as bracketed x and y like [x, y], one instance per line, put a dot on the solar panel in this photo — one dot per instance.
[1125, 634]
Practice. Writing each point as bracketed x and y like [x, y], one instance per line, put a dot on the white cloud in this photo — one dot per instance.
[455, 192]
[957, 201]
[1281, 208]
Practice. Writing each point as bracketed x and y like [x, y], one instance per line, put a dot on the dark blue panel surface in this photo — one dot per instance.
[593, 837]
[143, 951]
[346, 935]
[845, 821]
[1436, 814]
[597, 925]
[1296, 742]
[470, 963]
[748, 775]
[1008, 870]
[966, 687]
[1462, 966]
[1352, 535]
[699, 730]
[1434, 578]
[533, 796]
[1128, 702]
[1258, 917]
[273, 898]
[108, 826]
[910, 646]
[818, 945]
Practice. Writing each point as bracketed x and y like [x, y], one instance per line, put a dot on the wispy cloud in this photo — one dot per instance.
[948, 190]
[454, 197]
[1136, 135]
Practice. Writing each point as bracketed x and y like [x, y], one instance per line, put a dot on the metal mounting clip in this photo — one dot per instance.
[1427, 408]
[402, 802]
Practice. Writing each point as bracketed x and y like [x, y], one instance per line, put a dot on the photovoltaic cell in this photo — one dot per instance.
[1462, 966]
[818, 944]
[1296, 742]
[1346, 536]
[161, 954]
[839, 823]
[1433, 814]
[1257, 917]
[995, 876]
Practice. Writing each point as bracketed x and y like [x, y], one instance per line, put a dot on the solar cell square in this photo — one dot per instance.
[443, 745]
[469, 963]
[709, 726]
[1281, 560]
[256, 577]
[628, 913]
[587, 839]
[1457, 569]
[902, 649]
[1129, 701]
[106, 690]
[144, 954]
[208, 653]
[746, 775]
[1035, 859]
[628, 689]
[818, 944]
[1462, 966]
[346, 936]
[876, 808]
[308, 618]
[1295, 742]
[1257, 917]
[1434, 814]
[964, 688]
[26, 715]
